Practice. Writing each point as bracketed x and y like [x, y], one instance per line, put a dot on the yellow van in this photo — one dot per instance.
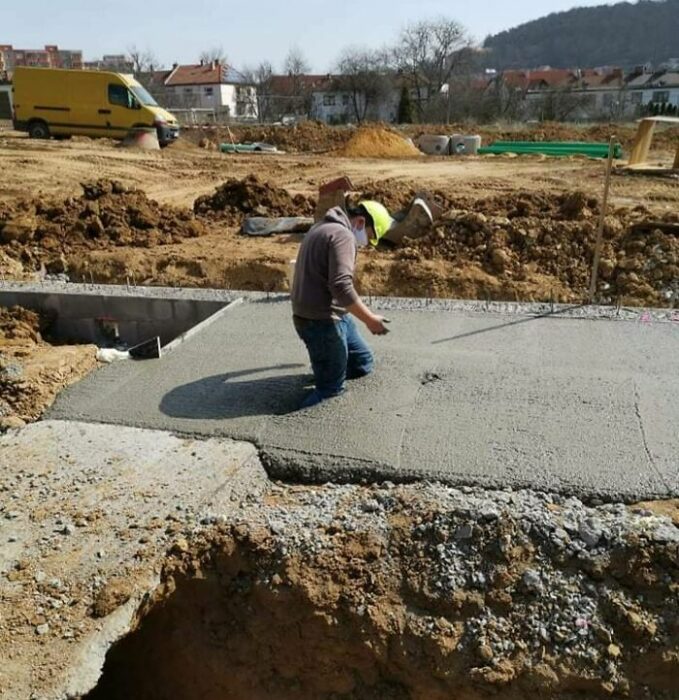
[61, 103]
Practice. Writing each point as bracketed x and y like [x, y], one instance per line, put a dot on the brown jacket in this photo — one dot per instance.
[324, 272]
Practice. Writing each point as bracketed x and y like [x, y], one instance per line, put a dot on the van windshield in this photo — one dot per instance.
[143, 96]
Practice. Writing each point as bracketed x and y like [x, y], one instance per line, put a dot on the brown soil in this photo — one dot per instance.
[236, 198]
[108, 214]
[246, 613]
[315, 137]
[377, 142]
[43, 175]
[553, 237]
[397, 194]
[307, 137]
[664, 138]
[33, 372]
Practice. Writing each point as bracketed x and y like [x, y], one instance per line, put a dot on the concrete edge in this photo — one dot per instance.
[292, 467]
[194, 330]
[88, 662]
[311, 468]
[578, 311]
[121, 290]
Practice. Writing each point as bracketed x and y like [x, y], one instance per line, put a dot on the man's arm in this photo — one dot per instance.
[341, 282]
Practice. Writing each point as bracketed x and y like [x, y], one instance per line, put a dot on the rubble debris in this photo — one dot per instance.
[351, 591]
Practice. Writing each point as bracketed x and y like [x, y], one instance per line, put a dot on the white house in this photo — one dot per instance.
[332, 105]
[661, 87]
[209, 86]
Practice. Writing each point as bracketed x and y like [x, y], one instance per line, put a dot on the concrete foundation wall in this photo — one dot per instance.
[83, 312]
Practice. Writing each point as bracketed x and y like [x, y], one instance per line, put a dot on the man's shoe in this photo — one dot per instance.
[312, 399]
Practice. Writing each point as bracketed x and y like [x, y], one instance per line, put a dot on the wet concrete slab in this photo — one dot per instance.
[567, 402]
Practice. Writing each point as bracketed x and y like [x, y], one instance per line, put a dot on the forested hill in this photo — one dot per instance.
[624, 34]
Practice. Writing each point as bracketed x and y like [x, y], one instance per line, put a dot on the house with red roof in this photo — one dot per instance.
[212, 85]
[573, 93]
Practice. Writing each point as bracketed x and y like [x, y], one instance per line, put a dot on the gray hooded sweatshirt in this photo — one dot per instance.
[324, 273]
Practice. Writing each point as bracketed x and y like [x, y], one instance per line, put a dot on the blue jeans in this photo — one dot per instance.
[337, 352]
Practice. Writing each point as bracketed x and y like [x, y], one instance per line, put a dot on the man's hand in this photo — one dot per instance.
[374, 322]
[376, 325]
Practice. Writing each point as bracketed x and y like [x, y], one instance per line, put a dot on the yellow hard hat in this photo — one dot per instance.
[381, 218]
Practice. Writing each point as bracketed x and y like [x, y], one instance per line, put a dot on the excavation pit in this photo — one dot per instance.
[405, 593]
[109, 315]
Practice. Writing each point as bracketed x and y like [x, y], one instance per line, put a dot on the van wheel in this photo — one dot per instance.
[38, 130]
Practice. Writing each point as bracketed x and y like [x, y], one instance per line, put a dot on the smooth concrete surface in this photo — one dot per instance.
[568, 404]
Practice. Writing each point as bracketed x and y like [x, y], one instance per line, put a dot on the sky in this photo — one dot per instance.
[248, 32]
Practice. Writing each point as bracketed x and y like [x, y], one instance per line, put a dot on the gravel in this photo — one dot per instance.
[549, 556]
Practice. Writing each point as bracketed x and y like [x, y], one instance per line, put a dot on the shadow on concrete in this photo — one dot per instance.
[224, 396]
[507, 325]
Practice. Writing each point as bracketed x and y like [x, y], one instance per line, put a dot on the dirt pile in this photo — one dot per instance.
[397, 194]
[554, 235]
[307, 137]
[19, 326]
[316, 137]
[32, 372]
[404, 592]
[107, 214]
[377, 142]
[235, 198]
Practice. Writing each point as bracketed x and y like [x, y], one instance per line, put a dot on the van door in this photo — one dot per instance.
[122, 111]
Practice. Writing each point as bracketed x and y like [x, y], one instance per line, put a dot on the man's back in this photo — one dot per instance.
[323, 285]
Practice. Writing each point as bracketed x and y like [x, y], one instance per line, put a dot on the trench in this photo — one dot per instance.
[218, 639]
[231, 632]
[118, 316]
[404, 592]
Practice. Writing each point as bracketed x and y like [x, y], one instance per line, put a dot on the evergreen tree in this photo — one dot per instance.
[405, 107]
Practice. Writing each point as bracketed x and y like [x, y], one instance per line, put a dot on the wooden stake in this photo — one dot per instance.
[602, 218]
[642, 142]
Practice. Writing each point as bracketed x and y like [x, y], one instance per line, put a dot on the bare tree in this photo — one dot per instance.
[299, 98]
[560, 105]
[502, 101]
[142, 61]
[429, 52]
[261, 78]
[295, 63]
[363, 76]
[216, 54]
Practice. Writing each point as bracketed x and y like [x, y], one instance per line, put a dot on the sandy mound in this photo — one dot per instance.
[377, 142]
[235, 199]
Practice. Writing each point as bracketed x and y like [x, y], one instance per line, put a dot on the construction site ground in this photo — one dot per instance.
[495, 540]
